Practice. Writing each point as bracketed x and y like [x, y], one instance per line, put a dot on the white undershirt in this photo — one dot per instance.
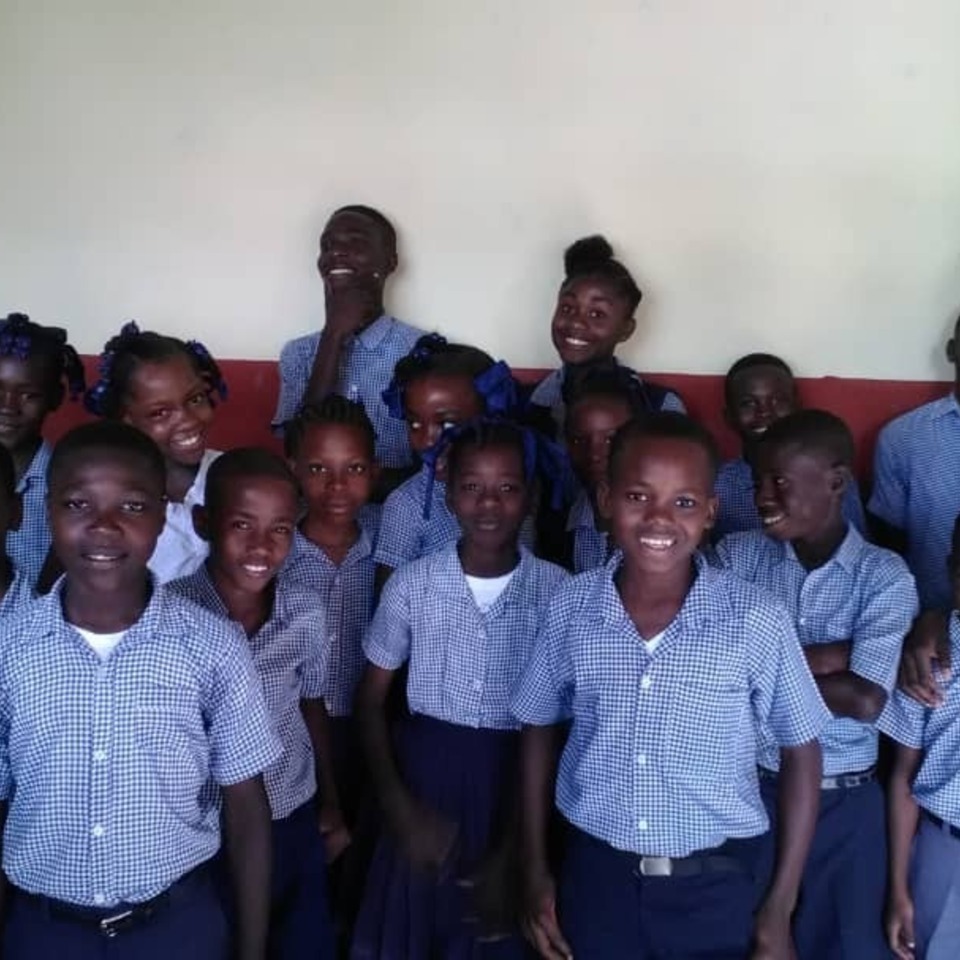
[654, 641]
[486, 590]
[102, 644]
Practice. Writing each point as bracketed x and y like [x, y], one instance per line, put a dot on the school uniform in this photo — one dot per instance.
[366, 369]
[28, 547]
[591, 547]
[18, 595]
[865, 595]
[916, 491]
[737, 510]
[346, 595]
[457, 753]
[658, 778]
[105, 765]
[548, 393]
[416, 521]
[180, 550]
[935, 865]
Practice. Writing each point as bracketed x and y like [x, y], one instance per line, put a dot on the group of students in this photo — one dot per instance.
[467, 673]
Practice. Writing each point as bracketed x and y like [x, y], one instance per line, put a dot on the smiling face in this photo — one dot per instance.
[355, 251]
[251, 531]
[170, 402]
[799, 493]
[759, 396]
[659, 501]
[25, 401]
[591, 319]
[106, 510]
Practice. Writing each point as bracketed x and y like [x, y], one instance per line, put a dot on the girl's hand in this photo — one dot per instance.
[772, 939]
[336, 836]
[539, 920]
[898, 922]
[426, 839]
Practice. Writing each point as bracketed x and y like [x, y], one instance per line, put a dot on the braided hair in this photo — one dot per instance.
[25, 340]
[131, 347]
[593, 257]
[332, 409]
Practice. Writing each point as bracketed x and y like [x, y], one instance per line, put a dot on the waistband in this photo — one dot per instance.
[840, 781]
[941, 824]
[111, 921]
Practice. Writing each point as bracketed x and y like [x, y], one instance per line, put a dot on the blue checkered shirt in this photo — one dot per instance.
[28, 547]
[591, 547]
[917, 490]
[464, 664]
[737, 510]
[863, 594]
[936, 732]
[346, 594]
[549, 393]
[404, 533]
[661, 758]
[18, 595]
[291, 655]
[366, 369]
[105, 763]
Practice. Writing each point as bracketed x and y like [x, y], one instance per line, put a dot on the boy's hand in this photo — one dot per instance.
[426, 838]
[539, 920]
[898, 922]
[772, 939]
[927, 642]
[336, 836]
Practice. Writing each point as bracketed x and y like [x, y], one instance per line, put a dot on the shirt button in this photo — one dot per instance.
[642, 824]
[99, 755]
[99, 899]
[645, 683]
[98, 831]
[802, 621]
[642, 760]
[478, 685]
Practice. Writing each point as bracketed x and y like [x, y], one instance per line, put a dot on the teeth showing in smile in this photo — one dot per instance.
[339, 272]
[102, 557]
[574, 342]
[190, 442]
[657, 543]
[256, 569]
[772, 519]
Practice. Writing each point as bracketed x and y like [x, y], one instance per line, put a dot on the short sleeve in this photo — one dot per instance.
[243, 742]
[315, 679]
[293, 383]
[387, 640]
[398, 541]
[904, 720]
[786, 701]
[672, 403]
[890, 489]
[882, 625]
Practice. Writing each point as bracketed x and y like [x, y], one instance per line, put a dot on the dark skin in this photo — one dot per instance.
[250, 532]
[903, 816]
[756, 398]
[659, 501]
[11, 510]
[799, 498]
[927, 646]
[30, 391]
[489, 496]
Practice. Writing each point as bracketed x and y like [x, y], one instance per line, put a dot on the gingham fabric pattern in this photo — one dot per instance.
[105, 764]
[863, 594]
[464, 664]
[28, 547]
[591, 547]
[366, 368]
[18, 595]
[916, 489]
[661, 758]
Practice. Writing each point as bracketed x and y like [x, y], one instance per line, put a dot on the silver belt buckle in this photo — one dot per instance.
[656, 866]
[111, 926]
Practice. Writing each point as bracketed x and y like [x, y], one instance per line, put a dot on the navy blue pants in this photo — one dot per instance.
[840, 912]
[190, 926]
[300, 925]
[609, 912]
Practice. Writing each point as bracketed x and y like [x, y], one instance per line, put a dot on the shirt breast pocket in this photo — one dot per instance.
[172, 741]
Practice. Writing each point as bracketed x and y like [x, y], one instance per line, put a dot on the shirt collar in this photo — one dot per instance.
[945, 407]
[361, 549]
[195, 495]
[454, 577]
[846, 556]
[373, 335]
[581, 513]
[37, 468]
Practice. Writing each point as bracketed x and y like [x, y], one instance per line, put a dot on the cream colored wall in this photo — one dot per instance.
[780, 175]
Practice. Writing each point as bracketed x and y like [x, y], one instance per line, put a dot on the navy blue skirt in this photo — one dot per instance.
[469, 777]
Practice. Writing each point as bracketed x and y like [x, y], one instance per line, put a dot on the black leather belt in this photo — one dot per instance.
[115, 920]
[941, 824]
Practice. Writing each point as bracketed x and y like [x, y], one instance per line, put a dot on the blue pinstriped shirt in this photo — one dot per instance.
[346, 594]
[291, 655]
[917, 490]
[738, 508]
[937, 733]
[662, 753]
[366, 369]
[464, 664]
[105, 763]
[863, 594]
[28, 547]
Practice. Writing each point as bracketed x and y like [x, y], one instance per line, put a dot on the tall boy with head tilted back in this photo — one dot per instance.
[119, 703]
